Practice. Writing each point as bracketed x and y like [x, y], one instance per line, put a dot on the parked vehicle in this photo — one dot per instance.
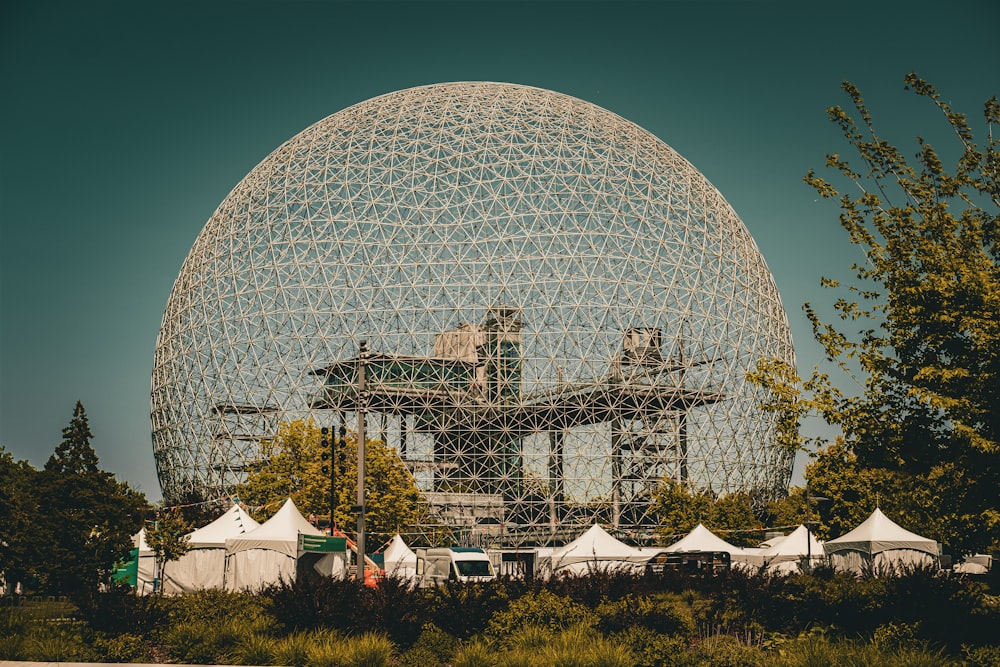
[440, 564]
[695, 563]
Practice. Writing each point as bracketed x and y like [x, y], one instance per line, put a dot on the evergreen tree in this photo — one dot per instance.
[17, 509]
[85, 518]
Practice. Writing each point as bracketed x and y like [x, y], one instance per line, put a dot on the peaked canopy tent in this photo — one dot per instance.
[399, 560]
[881, 545]
[267, 554]
[787, 554]
[702, 539]
[595, 549]
[204, 564]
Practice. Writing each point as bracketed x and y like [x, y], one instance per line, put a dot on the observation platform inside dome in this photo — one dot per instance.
[477, 387]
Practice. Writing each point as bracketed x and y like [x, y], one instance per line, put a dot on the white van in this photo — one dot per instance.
[440, 564]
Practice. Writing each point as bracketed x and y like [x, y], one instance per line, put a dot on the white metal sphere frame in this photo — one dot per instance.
[561, 312]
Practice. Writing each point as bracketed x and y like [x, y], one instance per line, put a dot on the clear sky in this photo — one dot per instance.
[124, 124]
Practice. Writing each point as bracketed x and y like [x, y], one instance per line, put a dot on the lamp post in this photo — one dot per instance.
[362, 410]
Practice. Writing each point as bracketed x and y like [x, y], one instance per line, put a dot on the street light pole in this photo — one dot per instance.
[362, 410]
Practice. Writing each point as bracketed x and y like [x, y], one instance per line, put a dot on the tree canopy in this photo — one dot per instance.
[73, 520]
[292, 465]
[679, 509]
[919, 326]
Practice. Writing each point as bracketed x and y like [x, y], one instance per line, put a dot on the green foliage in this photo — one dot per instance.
[462, 610]
[54, 641]
[18, 506]
[723, 650]
[435, 645]
[291, 465]
[294, 649]
[921, 324]
[795, 509]
[652, 649]
[679, 509]
[476, 653]
[981, 656]
[665, 613]
[784, 400]
[368, 650]
[541, 610]
[123, 648]
[167, 537]
[255, 650]
[577, 646]
[819, 651]
[93, 515]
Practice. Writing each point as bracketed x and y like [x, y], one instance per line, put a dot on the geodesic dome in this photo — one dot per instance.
[560, 311]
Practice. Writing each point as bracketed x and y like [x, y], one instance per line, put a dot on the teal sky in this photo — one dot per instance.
[124, 124]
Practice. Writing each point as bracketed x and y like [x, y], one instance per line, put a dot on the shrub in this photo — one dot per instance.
[197, 642]
[52, 642]
[418, 656]
[477, 653]
[581, 646]
[666, 613]
[368, 650]
[255, 650]
[728, 651]
[818, 651]
[543, 610]
[981, 656]
[436, 643]
[294, 649]
[652, 649]
[123, 648]
[528, 638]
[463, 610]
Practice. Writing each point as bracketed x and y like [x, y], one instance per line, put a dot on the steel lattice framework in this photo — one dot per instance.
[561, 311]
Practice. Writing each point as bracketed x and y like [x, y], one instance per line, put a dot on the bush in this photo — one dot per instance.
[542, 610]
[464, 610]
[652, 649]
[123, 648]
[368, 650]
[207, 643]
[981, 656]
[56, 642]
[477, 653]
[666, 613]
[255, 650]
[351, 609]
[299, 650]
[818, 651]
[434, 647]
[728, 651]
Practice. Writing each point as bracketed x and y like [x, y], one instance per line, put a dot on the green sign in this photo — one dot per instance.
[322, 544]
[128, 573]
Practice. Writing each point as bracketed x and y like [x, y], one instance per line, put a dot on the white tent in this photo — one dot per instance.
[595, 549]
[267, 554]
[399, 560]
[702, 539]
[145, 580]
[203, 566]
[881, 545]
[787, 554]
